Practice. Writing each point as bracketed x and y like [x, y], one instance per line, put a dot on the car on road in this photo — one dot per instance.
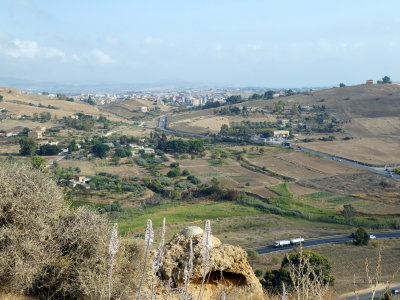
[396, 292]
[372, 237]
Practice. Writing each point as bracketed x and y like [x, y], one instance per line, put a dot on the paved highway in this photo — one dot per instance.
[378, 294]
[337, 239]
[162, 124]
[377, 170]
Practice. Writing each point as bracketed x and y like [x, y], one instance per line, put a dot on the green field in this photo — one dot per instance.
[179, 212]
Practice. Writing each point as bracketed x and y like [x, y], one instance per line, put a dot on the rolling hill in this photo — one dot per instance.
[370, 116]
[18, 103]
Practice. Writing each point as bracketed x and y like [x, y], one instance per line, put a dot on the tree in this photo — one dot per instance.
[27, 146]
[38, 162]
[269, 94]
[234, 99]
[25, 131]
[342, 85]
[48, 149]
[386, 79]
[349, 212]
[122, 152]
[61, 97]
[289, 92]
[72, 146]
[45, 116]
[100, 150]
[174, 172]
[298, 268]
[361, 237]
[1, 98]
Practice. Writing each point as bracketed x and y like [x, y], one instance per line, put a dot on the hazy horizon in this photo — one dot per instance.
[227, 43]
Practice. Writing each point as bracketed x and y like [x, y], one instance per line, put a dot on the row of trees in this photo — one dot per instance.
[181, 145]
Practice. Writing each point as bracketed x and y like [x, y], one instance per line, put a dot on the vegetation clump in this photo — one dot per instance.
[50, 251]
[361, 237]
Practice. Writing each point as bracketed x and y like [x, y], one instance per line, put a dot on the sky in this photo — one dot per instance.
[222, 42]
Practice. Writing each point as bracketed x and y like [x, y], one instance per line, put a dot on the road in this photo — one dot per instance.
[377, 170]
[378, 294]
[337, 239]
[162, 125]
[57, 159]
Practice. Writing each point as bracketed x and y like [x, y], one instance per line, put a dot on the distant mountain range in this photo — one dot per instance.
[75, 87]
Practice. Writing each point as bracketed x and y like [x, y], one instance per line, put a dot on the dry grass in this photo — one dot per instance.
[231, 175]
[29, 204]
[348, 261]
[372, 150]
[65, 108]
[92, 168]
[203, 121]
[300, 165]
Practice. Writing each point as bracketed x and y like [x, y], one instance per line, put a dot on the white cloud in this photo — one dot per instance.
[31, 49]
[102, 57]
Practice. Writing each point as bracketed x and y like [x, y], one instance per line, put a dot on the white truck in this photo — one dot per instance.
[297, 241]
[293, 242]
[281, 243]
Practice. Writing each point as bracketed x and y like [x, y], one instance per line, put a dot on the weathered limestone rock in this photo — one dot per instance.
[230, 267]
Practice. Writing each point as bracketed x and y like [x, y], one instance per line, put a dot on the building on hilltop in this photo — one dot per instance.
[369, 81]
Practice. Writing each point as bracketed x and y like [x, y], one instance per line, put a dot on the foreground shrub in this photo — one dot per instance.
[29, 205]
[49, 251]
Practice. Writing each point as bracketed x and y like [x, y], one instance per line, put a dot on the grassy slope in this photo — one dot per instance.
[65, 108]
[179, 212]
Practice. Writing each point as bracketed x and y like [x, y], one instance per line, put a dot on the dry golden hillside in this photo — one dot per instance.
[371, 116]
[17, 104]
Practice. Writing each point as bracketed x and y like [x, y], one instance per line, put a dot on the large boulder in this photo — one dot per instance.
[229, 268]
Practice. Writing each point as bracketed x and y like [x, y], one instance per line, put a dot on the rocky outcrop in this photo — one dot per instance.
[229, 268]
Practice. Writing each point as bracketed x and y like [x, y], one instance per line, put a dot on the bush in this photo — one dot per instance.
[258, 272]
[29, 205]
[47, 250]
[122, 152]
[193, 179]
[27, 146]
[100, 150]
[361, 237]
[174, 173]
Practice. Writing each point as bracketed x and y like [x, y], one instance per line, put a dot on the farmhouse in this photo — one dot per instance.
[281, 133]
[79, 181]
